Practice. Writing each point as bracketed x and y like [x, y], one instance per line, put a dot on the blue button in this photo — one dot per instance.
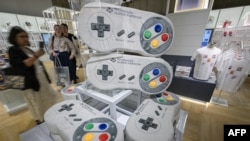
[158, 28]
[158, 95]
[103, 126]
[156, 72]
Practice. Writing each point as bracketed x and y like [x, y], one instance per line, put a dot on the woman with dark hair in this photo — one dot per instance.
[37, 91]
[62, 48]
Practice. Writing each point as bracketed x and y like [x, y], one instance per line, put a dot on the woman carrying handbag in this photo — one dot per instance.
[37, 90]
[63, 48]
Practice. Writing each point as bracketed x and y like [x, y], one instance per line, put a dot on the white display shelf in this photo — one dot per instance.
[33, 25]
[112, 97]
[28, 23]
[42, 25]
[57, 15]
[7, 21]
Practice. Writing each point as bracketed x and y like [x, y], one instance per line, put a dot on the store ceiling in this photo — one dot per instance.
[218, 4]
[159, 6]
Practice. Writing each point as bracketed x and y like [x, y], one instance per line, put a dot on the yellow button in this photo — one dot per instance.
[152, 84]
[72, 87]
[169, 98]
[88, 137]
[154, 43]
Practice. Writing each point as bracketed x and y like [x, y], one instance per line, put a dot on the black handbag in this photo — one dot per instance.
[12, 78]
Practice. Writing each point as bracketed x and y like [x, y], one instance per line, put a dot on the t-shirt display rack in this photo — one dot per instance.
[229, 37]
[226, 39]
[231, 31]
[233, 67]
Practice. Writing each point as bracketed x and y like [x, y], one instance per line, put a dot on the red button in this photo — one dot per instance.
[163, 79]
[164, 37]
[165, 94]
[69, 90]
[103, 137]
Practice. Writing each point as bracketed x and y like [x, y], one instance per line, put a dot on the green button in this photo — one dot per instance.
[147, 34]
[161, 100]
[146, 77]
[89, 126]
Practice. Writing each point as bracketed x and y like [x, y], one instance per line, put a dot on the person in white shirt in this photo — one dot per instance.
[62, 49]
[205, 59]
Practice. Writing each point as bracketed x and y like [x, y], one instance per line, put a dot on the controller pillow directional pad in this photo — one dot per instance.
[100, 26]
[147, 124]
[97, 129]
[105, 73]
[66, 107]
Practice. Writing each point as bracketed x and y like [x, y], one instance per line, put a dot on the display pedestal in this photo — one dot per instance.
[180, 127]
[112, 98]
[219, 101]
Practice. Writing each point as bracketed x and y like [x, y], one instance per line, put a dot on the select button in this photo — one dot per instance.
[122, 77]
[121, 33]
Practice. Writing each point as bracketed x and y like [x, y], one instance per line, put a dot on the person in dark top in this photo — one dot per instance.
[37, 91]
[74, 40]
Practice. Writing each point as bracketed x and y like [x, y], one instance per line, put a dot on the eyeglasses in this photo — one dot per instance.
[23, 36]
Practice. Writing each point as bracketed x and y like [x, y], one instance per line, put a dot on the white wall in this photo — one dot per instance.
[25, 7]
[189, 28]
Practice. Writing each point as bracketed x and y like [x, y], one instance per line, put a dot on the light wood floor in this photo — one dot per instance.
[205, 121]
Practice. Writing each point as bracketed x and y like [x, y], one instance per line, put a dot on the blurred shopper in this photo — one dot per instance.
[62, 48]
[37, 92]
[74, 40]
